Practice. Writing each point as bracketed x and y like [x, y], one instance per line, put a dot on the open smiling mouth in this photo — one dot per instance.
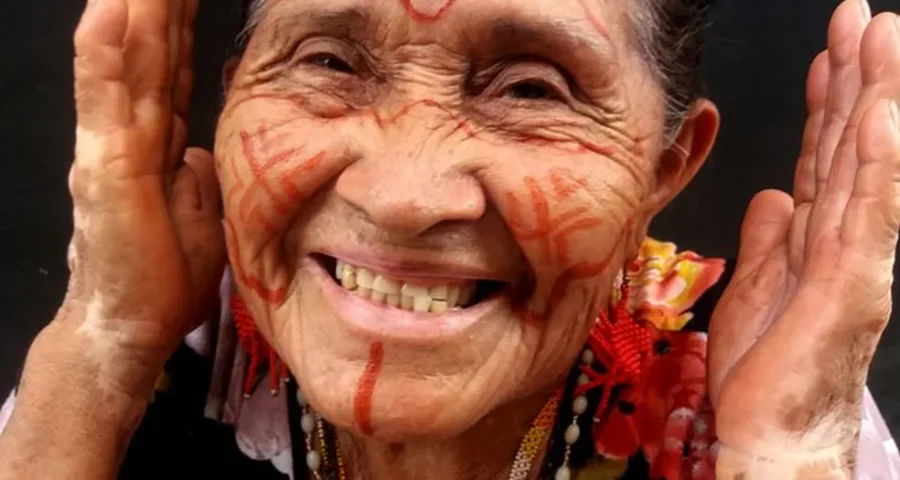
[420, 295]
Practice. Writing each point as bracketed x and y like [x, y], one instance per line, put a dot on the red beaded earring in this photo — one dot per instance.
[260, 352]
[619, 343]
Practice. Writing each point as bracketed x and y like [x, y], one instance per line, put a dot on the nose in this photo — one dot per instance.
[410, 193]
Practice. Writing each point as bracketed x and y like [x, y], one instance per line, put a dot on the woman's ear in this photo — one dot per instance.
[229, 69]
[680, 162]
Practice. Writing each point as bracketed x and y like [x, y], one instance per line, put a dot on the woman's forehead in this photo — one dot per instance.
[593, 25]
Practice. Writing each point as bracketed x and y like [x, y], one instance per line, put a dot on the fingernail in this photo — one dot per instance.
[866, 10]
[895, 114]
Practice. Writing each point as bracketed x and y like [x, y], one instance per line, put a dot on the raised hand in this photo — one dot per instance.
[792, 338]
[147, 250]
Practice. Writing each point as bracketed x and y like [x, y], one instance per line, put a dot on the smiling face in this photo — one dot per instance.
[427, 201]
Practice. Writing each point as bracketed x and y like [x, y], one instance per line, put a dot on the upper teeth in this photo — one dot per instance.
[408, 296]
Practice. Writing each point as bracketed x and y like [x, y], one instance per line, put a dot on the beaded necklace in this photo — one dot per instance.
[537, 436]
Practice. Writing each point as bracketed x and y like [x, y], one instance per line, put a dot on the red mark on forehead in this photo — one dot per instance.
[593, 19]
[362, 403]
[426, 11]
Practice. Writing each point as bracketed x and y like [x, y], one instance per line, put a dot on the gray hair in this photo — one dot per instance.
[670, 36]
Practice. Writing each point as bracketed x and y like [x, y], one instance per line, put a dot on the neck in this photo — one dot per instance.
[484, 452]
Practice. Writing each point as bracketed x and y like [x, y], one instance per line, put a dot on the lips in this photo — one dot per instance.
[431, 295]
[378, 320]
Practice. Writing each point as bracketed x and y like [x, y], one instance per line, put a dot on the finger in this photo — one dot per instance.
[148, 45]
[872, 219]
[183, 82]
[880, 73]
[805, 172]
[176, 17]
[150, 76]
[765, 227]
[816, 94]
[844, 37]
[101, 97]
[204, 166]
[196, 188]
[760, 275]
[194, 208]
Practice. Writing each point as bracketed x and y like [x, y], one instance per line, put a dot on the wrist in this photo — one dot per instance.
[71, 354]
[77, 406]
[824, 464]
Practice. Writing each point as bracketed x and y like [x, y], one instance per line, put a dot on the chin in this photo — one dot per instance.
[400, 408]
[391, 352]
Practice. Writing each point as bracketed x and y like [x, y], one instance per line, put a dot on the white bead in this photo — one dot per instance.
[572, 434]
[307, 423]
[580, 405]
[563, 473]
[587, 357]
[300, 398]
[313, 461]
[583, 379]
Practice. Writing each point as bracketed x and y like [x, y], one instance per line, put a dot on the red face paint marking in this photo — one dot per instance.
[298, 102]
[578, 271]
[554, 233]
[545, 228]
[569, 145]
[565, 185]
[287, 180]
[252, 282]
[461, 123]
[422, 17]
[283, 198]
[362, 403]
[281, 190]
[593, 20]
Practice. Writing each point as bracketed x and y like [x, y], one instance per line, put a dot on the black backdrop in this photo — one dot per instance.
[757, 60]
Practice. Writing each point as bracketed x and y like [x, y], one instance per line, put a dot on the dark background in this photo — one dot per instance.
[758, 55]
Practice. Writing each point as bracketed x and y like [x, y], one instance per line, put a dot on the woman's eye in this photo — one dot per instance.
[330, 62]
[530, 91]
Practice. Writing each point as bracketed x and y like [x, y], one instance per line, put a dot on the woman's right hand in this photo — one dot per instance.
[147, 251]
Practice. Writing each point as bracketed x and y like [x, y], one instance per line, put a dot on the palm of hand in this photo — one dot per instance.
[147, 244]
[791, 339]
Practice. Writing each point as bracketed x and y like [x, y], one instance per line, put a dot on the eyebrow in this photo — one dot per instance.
[511, 34]
[351, 22]
[348, 22]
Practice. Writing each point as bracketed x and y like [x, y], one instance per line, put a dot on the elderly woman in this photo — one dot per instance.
[435, 215]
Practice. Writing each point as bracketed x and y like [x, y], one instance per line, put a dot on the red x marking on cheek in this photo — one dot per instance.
[553, 232]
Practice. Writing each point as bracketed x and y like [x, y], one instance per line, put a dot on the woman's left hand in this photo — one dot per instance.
[792, 338]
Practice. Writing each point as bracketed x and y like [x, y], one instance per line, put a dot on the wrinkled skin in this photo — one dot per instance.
[385, 151]
[412, 143]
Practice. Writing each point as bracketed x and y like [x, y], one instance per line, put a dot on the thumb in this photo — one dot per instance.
[751, 299]
[195, 207]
